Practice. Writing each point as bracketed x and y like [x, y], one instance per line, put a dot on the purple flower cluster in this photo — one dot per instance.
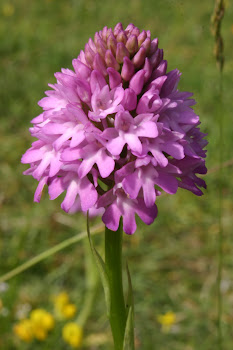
[116, 131]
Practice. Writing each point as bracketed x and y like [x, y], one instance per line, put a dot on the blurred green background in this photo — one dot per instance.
[174, 261]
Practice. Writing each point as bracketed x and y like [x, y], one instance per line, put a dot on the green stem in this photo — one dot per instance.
[113, 263]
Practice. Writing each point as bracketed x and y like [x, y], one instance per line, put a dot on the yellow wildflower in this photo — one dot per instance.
[8, 10]
[24, 330]
[167, 320]
[69, 311]
[42, 322]
[39, 333]
[63, 308]
[72, 333]
[42, 318]
[61, 299]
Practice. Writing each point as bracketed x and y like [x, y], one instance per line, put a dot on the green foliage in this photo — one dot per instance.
[173, 262]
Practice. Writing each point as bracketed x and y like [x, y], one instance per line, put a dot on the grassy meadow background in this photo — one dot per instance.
[173, 262]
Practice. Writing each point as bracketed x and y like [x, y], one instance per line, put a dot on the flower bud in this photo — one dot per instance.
[136, 83]
[92, 45]
[153, 46]
[139, 58]
[156, 58]
[104, 33]
[129, 28]
[111, 61]
[114, 77]
[99, 64]
[81, 69]
[135, 31]
[127, 69]
[112, 43]
[122, 37]
[142, 36]
[82, 58]
[148, 69]
[147, 45]
[121, 52]
[89, 55]
[100, 48]
[83, 91]
[160, 70]
[130, 100]
[132, 44]
[118, 28]
[96, 81]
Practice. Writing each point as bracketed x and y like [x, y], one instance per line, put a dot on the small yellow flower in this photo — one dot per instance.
[63, 308]
[24, 330]
[72, 333]
[8, 10]
[39, 333]
[42, 319]
[167, 320]
[42, 322]
[61, 299]
[69, 311]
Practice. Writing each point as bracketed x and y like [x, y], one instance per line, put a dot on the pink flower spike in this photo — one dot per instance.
[116, 131]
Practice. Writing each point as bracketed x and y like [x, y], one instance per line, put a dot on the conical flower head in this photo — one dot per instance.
[115, 131]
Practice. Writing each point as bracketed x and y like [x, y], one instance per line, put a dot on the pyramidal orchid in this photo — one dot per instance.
[117, 119]
[114, 133]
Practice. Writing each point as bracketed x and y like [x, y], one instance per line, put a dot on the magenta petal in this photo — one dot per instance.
[106, 199]
[147, 129]
[111, 217]
[105, 164]
[134, 143]
[174, 149]
[161, 159]
[71, 194]
[132, 184]
[63, 138]
[146, 214]
[149, 193]
[129, 222]
[71, 154]
[85, 166]
[55, 165]
[39, 189]
[115, 146]
[32, 155]
[109, 133]
[88, 194]
[77, 138]
[56, 188]
[42, 166]
[38, 119]
[167, 182]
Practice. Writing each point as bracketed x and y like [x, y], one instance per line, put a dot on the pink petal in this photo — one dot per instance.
[111, 217]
